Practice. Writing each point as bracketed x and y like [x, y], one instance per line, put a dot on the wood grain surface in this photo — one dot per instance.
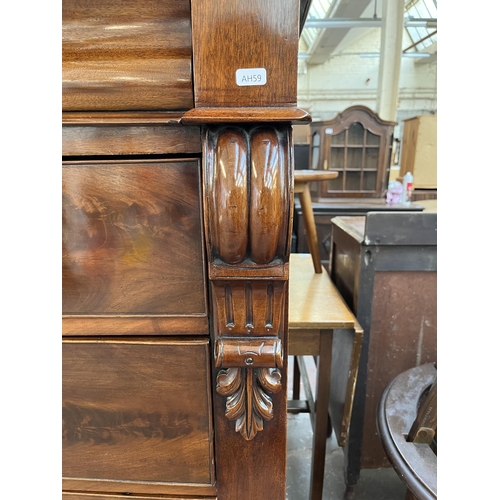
[248, 190]
[132, 241]
[130, 140]
[230, 196]
[230, 35]
[248, 308]
[246, 114]
[90, 324]
[126, 55]
[137, 411]
[67, 495]
[248, 169]
[268, 199]
[403, 335]
[314, 301]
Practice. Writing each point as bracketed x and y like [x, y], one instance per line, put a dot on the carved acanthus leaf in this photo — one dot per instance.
[247, 400]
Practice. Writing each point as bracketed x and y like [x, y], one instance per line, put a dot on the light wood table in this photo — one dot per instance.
[321, 325]
[302, 178]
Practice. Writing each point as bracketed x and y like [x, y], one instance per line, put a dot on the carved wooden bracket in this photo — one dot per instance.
[246, 389]
[248, 186]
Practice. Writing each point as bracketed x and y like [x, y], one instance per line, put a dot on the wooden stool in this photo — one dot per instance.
[302, 178]
[320, 324]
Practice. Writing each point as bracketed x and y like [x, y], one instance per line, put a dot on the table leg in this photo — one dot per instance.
[310, 227]
[296, 379]
[320, 426]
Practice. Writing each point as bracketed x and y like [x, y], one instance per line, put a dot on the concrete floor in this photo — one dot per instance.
[374, 484]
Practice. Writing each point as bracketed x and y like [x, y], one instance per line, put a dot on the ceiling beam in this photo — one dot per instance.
[427, 60]
[328, 39]
[365, 22]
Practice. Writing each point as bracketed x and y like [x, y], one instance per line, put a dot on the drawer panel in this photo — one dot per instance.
[133, 246]
[126, 55]
[137, 416]
[89, 496]
[110, 139]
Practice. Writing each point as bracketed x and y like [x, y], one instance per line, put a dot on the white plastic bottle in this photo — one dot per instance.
[407, 188]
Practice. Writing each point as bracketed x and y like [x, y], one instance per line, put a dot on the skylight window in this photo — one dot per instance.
[421, 9]
[317, 10]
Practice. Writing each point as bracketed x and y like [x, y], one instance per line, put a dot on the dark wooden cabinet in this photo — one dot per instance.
[385, 267]
[357, 143]
[177, 206]
[324, 212]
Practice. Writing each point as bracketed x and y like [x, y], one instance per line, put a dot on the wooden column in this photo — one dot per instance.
[245, 89]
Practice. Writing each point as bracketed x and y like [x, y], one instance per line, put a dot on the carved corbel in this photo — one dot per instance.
[248, 186]
[247, 389]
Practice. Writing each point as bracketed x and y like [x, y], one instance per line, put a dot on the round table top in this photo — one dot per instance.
[314, 175]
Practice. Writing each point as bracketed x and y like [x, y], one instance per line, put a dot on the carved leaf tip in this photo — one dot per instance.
[247, 401]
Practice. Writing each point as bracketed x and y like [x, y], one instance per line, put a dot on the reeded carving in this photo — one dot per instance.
[247, 400]
[248, 192]
[249, 307]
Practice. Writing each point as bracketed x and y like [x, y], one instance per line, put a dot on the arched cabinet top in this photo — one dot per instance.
[354, 114]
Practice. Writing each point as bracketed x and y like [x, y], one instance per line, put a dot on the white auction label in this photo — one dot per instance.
[251, 76]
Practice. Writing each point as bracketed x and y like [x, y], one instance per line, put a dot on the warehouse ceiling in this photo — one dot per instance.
[351, 19]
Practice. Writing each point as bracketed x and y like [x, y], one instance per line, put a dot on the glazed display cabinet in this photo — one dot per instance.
[356, 143]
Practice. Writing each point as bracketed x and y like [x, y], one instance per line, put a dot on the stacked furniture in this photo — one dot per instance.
[419, 155]
[321, 325]
[357, 144]
[177, 203]
[385, 266]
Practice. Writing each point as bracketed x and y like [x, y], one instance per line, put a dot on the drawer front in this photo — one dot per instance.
[137, 416]
[126, 55]
[128, 138]
[133, 258]
[89, 496]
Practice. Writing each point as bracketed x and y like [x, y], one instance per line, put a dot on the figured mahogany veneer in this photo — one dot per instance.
[119, 408]
[130, 139]
[86, 496]
[126, 55]
[132, 241]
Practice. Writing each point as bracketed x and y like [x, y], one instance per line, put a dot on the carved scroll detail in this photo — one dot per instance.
[231, 196]
[267, 200]
[247, 400]
[246, 389]
[248, 187]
